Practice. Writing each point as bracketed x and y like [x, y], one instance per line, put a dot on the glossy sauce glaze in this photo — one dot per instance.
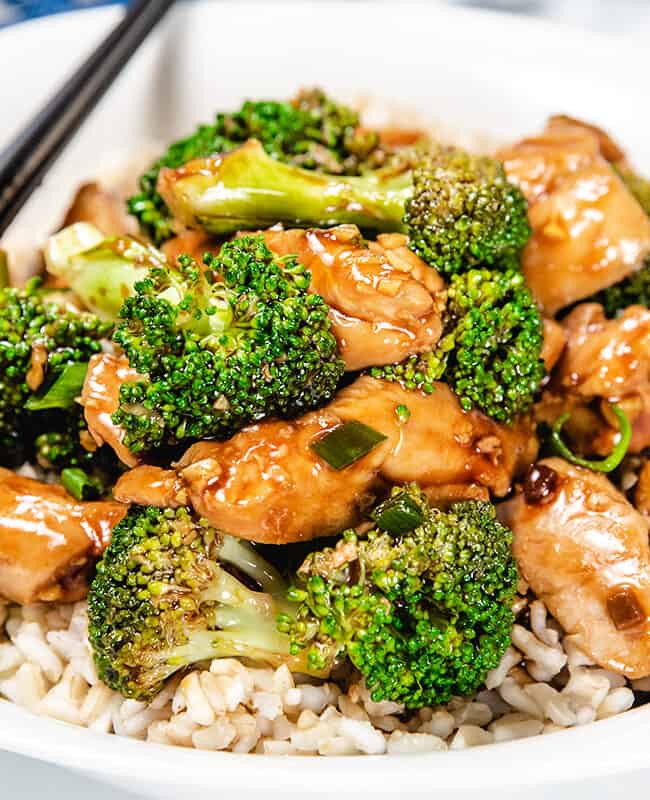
[48, 540]
[385, 302]
[100, 398]
[267, 483]
[589, 232]
[603, 357]
[583, 549]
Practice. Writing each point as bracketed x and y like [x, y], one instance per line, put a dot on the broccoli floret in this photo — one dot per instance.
[490, 353]
[223, 346]
[420, 604]
[458, 210]
[164, 598]
[313, 132]
[40, 345]
[423, 614]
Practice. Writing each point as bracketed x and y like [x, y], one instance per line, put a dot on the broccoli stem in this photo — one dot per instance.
[100, 271]
[227, 590]
[263, 646]
[250, 562]
[248, 189]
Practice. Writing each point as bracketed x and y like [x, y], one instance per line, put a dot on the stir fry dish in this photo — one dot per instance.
[345, 450]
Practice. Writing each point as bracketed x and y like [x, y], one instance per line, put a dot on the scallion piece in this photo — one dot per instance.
[607, 464]
[347, 444]
[80, 485]
[398, 515]
[64, 390]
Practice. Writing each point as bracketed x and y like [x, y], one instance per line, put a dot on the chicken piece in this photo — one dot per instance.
[100, 398]
[583, 549]
[608, 359]
[191, 243]
[450, 493]
[554, 341]
[268, 484]
[603, 357]
[401, 137]
[608, 148]
[152, 486]
[49, 541]
[385, 302]
[589, 232]
[440, 444]
[103, 209]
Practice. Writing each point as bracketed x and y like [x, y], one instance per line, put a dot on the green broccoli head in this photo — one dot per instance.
[163, 599]
[40, 344]
[423, 610]
[314, 132]
[490, 353]
[496, 338]
[223, 346]
[458, 210]
[464, 212]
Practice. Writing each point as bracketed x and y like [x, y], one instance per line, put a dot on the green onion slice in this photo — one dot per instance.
[607, 464]
[347, 444]
[64, 390]
[80, 485]
[398, 515]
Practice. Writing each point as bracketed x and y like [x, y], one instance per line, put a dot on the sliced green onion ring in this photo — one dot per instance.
[398, 515]
[347, 443]
[63, 392]
[80, 485]
[610, 462]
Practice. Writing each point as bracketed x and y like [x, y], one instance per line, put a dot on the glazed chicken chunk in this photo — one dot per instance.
[100, 398]
[583, 549]
[589, 232]
[48, 540]
[268, 484]
[385, 302]
[607, 359]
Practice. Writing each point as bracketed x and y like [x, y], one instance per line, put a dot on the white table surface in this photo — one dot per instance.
[26, 779]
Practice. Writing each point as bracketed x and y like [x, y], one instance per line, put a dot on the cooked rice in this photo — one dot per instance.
[544, 683]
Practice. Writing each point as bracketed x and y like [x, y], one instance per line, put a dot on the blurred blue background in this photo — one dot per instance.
[623, 17]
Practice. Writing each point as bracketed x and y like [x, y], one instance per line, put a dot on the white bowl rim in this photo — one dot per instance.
[602, 748]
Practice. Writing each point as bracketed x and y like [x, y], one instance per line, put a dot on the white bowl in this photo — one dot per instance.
[470, 70]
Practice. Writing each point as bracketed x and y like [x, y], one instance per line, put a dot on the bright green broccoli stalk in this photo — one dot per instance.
[313, 132]
[223, 346]
[164, 599]
[490, 353]
[422, 613]
[457, 209]
[41, 344]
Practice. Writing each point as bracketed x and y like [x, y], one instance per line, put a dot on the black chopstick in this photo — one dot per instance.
[26, 160]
